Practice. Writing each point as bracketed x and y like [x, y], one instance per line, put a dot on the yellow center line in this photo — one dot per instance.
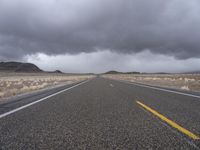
[170, 122]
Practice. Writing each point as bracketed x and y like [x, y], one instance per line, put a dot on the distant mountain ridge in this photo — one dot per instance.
[117, 72]
[19, 67]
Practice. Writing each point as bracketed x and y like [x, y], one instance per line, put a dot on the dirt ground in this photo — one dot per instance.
[188, 82]
[12, 84]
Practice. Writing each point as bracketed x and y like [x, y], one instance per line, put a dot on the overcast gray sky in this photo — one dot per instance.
[101, 35]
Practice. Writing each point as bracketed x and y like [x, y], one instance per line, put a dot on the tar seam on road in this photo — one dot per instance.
[170, 122]
[161, 89]
[37, 101]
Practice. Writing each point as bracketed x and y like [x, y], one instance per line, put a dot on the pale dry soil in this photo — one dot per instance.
[12, 84]
[187, 82]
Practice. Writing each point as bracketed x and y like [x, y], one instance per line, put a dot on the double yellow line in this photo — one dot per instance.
[170, 122]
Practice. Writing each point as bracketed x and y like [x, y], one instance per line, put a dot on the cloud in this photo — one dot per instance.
[102, 61]
[57, 27]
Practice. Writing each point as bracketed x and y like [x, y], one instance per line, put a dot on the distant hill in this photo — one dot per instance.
[18, 67]
[117, 72]
[112, 72]
[56, 71]
[192, 72]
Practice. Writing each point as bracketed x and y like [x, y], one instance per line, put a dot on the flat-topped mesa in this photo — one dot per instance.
[18, 67]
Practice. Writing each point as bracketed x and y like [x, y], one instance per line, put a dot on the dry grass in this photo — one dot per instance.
[14, 84]
[188, 82]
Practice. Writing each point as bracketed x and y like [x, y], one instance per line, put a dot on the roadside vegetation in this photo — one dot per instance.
[12, 84]
[188, 82]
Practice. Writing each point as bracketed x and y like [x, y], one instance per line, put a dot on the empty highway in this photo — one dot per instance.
[102, 114]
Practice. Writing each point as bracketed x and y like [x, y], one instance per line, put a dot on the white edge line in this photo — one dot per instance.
[42, 99]
[161, 89]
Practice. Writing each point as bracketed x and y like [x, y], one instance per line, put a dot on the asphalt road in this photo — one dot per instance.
[102, 114]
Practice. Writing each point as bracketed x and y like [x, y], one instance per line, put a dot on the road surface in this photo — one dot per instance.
[102, 114]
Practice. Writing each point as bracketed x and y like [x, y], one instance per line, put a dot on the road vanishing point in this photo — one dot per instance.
[102, 114]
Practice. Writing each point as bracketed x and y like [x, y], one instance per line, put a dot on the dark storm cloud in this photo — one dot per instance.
[67, 26]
